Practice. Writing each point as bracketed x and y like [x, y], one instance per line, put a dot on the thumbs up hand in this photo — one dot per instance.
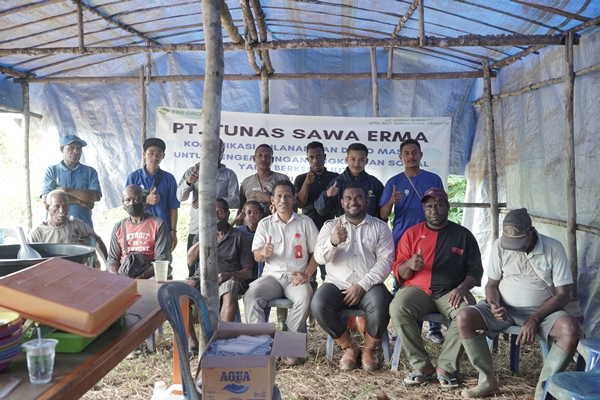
[395, 197]
[193, 178]
[416, 262]
[153, 198]
[267, 251]
[339, 234]
[333, 190]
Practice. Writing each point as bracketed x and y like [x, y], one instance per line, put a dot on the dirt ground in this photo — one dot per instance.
[318, 379]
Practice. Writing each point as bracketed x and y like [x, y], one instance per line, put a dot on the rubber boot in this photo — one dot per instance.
[369, 353]
[479, 354]
[348, 360]
[556, 361]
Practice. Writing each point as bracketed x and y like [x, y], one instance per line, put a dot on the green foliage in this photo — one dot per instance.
[457, 186]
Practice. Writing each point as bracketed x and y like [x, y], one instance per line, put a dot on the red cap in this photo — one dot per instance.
[438, 193]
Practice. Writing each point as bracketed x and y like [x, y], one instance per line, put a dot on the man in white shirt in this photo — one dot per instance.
[358, 251]
[285, 242]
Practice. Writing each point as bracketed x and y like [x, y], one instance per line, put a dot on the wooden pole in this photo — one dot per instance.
[80, 27]
[16, 110]
[323, 43]
[374, 82]
[570, 147]
[403, 20]
[264, 75]
[390, 65]
[421, 23]
[143, 108]
[275, 76]
[211, 120]
[493, 174]
[26, 118]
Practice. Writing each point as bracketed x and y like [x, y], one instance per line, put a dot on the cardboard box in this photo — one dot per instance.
[68, 296]
[247, 377]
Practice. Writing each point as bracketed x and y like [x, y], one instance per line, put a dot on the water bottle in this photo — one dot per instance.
[160, 391]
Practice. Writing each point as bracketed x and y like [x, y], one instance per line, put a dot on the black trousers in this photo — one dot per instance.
[328, 301]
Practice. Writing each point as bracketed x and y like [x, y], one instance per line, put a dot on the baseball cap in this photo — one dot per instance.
[154, 142]
[438, 193]
[515, 229]
[70, 139]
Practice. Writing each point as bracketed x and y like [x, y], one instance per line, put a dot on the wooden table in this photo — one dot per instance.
[76, 373]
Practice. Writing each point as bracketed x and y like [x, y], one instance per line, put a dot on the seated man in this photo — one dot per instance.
[357, 250]
[437, 263]
[252, 213]
[61, 228]
[284, 241]
[529, 283]
[234, 262]
[146, 234]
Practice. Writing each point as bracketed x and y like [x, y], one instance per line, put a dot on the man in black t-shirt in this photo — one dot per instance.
[310, 185]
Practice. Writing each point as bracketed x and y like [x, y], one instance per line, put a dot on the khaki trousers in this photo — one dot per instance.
[409, 305]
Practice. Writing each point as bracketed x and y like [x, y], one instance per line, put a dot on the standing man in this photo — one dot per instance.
[227, 188]
[258, 187]
[331, 199]
[403, 193]
[78, 181]
[310, 185]
[437, 263]
[529, 283]
[160, 186]
[284, 241]
[358, 252]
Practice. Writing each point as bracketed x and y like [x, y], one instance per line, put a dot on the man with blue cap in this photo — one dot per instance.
[80, 182]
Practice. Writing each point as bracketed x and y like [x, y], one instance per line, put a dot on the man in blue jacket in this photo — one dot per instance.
[357, 157]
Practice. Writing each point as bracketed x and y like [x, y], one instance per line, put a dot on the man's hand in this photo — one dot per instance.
[527, 332]
[300, 278]
[353, 295]
[499, 312]
[396, 196]
[416, 261]
[457, 295]
[339, 234]
[153, 198]
[195, 203]
[173, 240]
[333, 190]
[223, 276]
[262, 197]
[239, 220]
[193, 178]
[267, 251]
[310, 178]
[87, 204]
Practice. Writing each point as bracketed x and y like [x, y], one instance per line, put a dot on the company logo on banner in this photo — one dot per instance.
[181, 129]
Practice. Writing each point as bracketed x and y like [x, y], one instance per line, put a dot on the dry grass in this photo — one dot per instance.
[318, 379]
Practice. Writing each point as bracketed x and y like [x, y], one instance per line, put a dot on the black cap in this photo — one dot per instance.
[515, 229]
[155, 142]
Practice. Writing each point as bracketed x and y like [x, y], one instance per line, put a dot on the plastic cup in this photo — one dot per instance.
[161, 269]
[40, 359]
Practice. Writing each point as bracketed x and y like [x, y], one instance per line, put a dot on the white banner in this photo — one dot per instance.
[289, 135]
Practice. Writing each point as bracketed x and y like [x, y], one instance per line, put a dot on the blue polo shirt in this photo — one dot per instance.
[167, 190]
[80, 177]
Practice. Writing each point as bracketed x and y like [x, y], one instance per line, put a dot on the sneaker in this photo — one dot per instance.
[436, 337]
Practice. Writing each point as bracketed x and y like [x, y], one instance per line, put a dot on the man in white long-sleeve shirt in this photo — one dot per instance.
[358, 251]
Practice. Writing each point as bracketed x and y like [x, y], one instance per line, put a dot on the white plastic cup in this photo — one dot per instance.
[40, 359]
[161, 269]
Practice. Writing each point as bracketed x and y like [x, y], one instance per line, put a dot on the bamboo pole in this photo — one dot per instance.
[143, 108]
[211, 120]
[374, 82]
[148, 69]
[475, 205]
[556, 222]
[275, 76]
[262, 31]
[493, 174]
[14, 72]
[570, 148]
[390, 65]
[403, 20]
[80, 31]
[26, 118]
[264, 75]
[538, 85]
[19, 111]
[421, 23]
[323, 43]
